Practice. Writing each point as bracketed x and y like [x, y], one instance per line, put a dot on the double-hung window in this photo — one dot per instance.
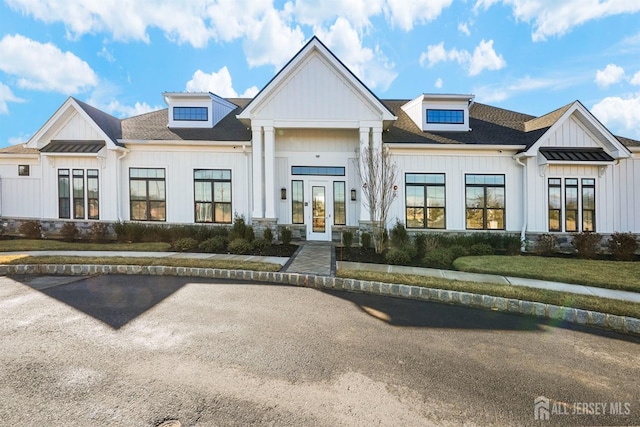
[147, 194]
[484, 199]
[64, 194]
[572, 206]
[425, 200]
[212, 195]
[339, 203]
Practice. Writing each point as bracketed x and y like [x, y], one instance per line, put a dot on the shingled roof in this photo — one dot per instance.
[153, 126]
[18, 149]
[110, 125]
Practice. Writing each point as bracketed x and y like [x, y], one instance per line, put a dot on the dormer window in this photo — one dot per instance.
[440, 112]
[445, 116]
[191, 114]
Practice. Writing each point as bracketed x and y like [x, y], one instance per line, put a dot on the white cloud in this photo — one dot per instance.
[404, 13]
[484, 57]
[118, 109]
[104, 53]
[370, 65]
[44, 67]
[315, 14]
[611, 74]
[438, 83]
[463, 27]
[219, 83]
[498, 93]
[6, 95]
[621, 114]
[635, 80]
[20, 139]
[556, 18]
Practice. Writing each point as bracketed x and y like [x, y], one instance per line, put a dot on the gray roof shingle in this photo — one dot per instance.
[110, 125]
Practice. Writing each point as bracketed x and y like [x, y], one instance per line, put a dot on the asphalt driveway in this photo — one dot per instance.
[139, 350]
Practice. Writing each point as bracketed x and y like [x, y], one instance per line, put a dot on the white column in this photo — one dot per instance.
[256, 155]
[364, 145]
[269, 170]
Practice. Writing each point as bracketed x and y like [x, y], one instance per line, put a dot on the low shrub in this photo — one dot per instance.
[431, 242]
[31, 229]
[458, 251]
[399, 256]
[249, 234]
[267, 235]
[132, 232]
[586, 244]
[420, 242]
[213, 245]
[622, 246]
[239, 246]
[238, 228]
[347, 239]
[439, 258]
[547, 244]
[285, 235]
[99, 231]
[365, 240]
[399, 236]
[69, 231]
[481, 249]
[260, 246]
[185, 244]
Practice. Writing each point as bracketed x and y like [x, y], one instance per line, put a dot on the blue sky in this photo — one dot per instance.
[531, 56]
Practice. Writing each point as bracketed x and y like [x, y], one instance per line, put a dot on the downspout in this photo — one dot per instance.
[248, 197]
[118, 185]
[525, 211]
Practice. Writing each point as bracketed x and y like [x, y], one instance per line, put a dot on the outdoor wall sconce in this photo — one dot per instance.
[353, 194]
[283, 193]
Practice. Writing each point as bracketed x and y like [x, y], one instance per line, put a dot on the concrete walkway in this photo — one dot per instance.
[319, 259]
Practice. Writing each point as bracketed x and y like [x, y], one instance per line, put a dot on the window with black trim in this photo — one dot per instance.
[572, 204]
[485, 202]
[425, 200]
[445, 116]
[23, 170]
[212, 195]
[192, 114]
[339, 203]
[147, 194]
[78, 194]
[297, 202]
[93, 194]
[64, 194]
[318, 170]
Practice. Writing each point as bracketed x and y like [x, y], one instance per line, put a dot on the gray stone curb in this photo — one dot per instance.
[622, 324]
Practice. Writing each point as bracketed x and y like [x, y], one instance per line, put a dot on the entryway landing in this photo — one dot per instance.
[313, 258]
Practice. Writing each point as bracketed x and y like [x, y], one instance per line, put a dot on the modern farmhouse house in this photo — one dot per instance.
[289, 157]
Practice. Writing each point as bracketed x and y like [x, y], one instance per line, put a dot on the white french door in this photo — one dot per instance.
[318, 209]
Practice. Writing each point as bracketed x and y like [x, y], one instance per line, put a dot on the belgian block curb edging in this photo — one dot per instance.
[623, 324]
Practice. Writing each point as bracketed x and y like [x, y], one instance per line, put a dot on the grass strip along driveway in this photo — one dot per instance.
[585, 302]
[624, 276]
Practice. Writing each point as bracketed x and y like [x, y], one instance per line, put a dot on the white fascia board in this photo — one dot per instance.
[634, 149]
[181, 142]
[455, 147]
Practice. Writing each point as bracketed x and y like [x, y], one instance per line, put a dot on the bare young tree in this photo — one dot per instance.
[378, 175]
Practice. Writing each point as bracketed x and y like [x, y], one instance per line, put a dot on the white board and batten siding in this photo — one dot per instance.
[315, 93]
[455, 166]
[20, 195]
[179, 164]
[572, 133]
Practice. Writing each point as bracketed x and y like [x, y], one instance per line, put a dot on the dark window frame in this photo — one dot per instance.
[24, 170]
[190, 114]
[93, 201]
[588, 184]
[445, 116]
[556, 184]
[297, 217]
[150, 204]
[485, 209]
[343, 203]
[213, 180]
[78, 193]
[64, 201]
[569, 185]
[426, 208]
[318, 170]
[580, 186]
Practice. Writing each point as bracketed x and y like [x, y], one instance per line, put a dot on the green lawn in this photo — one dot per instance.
[604, 274]
[586, 302]
[169, 262]
[56, 245]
